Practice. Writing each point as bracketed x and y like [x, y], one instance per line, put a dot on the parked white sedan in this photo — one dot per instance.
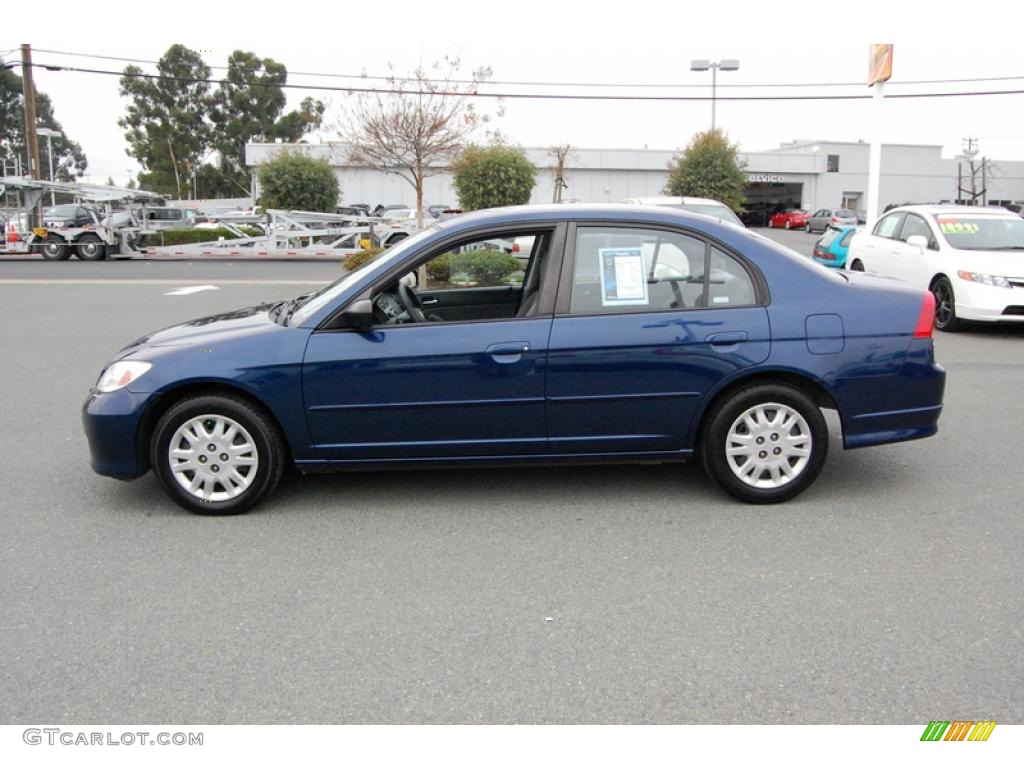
[971, 258]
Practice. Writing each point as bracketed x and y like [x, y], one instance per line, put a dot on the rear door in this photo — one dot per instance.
[879, 247]
[647, 321]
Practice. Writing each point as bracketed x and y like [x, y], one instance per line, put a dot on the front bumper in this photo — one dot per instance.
[987, 304]
[112, 421]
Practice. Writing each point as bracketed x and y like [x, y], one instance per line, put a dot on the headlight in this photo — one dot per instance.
[995, 280]
[121, 374]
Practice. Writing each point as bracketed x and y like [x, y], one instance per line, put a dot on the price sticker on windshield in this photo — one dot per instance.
[957, 227]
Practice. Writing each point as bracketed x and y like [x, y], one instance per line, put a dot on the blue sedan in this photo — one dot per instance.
[632, 333]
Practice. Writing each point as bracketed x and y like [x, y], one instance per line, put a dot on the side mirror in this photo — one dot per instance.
[358, 314]
[918, 241]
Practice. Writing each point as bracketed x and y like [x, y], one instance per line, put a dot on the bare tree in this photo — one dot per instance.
[416, 124]
[560, 152]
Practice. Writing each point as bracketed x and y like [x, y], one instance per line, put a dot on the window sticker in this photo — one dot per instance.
[957, 227]
[623, 281]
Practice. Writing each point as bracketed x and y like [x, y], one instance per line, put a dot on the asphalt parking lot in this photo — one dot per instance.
[887, 593]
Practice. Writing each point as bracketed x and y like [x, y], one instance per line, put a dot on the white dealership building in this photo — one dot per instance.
[804, 174]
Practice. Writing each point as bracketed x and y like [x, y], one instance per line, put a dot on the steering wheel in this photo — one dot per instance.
[411, 302]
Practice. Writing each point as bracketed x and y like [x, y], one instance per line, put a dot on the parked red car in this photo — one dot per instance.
[791, 219]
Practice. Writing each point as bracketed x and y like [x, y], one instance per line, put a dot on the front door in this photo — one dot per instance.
[462, 377]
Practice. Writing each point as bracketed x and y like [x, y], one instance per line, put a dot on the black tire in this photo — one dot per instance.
[270, 454]
[770, 225]
[90, 248]
[945, 306]
[54, 249]
[807, 431]
[857, 266]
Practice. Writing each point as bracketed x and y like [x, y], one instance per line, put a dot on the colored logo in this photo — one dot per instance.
[958, 730]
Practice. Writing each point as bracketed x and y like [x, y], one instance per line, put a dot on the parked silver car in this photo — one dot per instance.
[823, 218]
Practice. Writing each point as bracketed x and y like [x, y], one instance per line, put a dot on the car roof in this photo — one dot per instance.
[609, 212]
[985, 210]
[670, 200]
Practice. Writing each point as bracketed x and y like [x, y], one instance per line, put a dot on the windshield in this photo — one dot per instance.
[974, 232]
[845, 213]
[319, 299]
[61, 210]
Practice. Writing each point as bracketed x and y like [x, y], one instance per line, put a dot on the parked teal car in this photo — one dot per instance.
[831, 247]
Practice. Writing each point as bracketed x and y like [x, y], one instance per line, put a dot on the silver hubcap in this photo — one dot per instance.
[213, 457]
[768, 445]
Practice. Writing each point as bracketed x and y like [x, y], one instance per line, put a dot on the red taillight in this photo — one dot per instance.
[926, 320]
[835, 220]
[515, 247]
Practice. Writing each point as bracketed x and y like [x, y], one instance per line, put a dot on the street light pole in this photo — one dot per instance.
[703, 65]
[50, 135]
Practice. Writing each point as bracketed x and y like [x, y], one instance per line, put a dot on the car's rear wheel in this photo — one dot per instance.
[90, 248]
[54, 249]
[771, 224]
[857, 266]
[945, 306]
[787, 224]
[765, 444]
[217, 455]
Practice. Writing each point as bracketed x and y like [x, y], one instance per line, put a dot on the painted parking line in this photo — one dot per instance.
[191, 289]
[91, 281]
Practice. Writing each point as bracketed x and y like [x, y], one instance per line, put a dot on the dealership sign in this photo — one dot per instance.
[771, 178]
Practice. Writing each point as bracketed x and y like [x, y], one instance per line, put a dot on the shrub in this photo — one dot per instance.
[359, 258]
[488, 177]
[709, 167]
[188, 236]
[293, 181]
[485, 267]
[439, 270]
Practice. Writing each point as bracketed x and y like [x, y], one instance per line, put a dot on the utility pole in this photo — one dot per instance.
[31, 141]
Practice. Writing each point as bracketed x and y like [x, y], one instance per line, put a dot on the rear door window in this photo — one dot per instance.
[889, 225]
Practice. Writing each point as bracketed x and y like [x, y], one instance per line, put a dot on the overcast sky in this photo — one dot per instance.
[625, 42]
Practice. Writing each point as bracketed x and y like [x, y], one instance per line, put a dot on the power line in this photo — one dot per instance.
[524, 96]
[539, 83]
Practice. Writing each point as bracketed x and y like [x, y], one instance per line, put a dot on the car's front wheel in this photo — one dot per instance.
[945, 306]
[216, 454]
[765, 444]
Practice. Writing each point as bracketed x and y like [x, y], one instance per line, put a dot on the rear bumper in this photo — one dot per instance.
[892, 409]
[111, 423]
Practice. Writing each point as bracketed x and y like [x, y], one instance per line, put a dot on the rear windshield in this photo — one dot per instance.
[830, 235]
[982, 233]
[845, 213]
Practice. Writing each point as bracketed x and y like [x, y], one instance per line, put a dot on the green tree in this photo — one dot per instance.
[167, 121]
[250, 102]
[293, 181]
[488, 177]
[709, 168]
[69, 161]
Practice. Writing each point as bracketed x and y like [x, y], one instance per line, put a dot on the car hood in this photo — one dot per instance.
[227, 325]
[1002, 263]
